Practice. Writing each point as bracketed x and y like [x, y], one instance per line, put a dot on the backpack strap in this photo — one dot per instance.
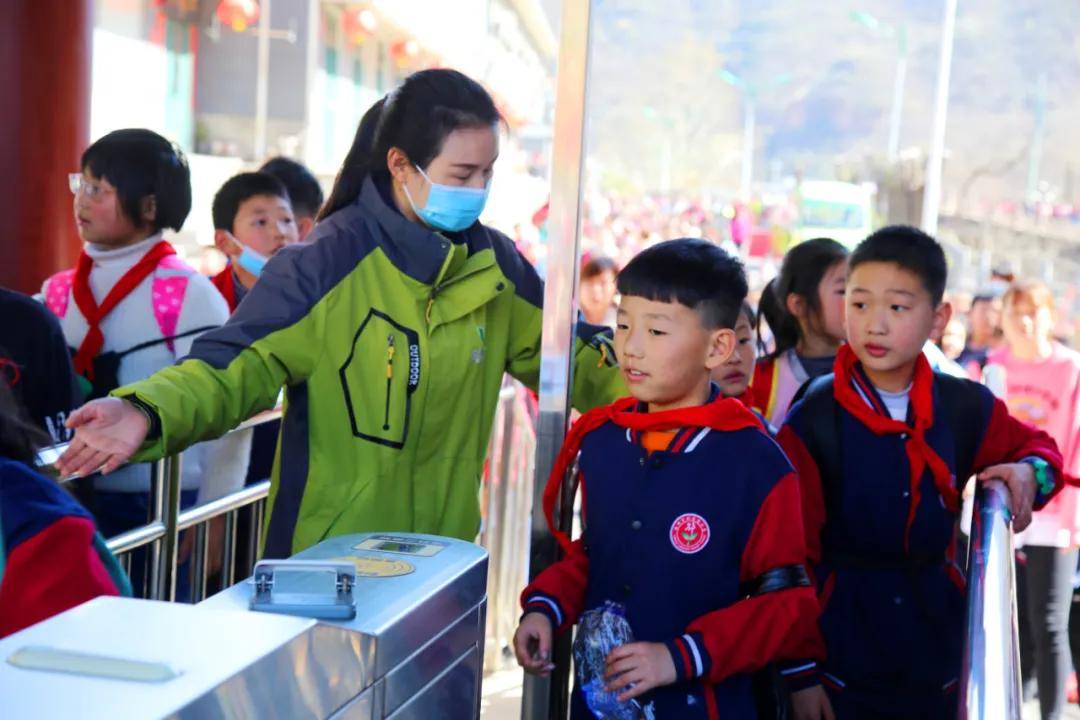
[963, 403]
[58, 292]
[170, 340]
[167, 292]
[822, 423]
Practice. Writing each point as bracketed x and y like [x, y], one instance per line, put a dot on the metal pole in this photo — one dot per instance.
[311, 54]
[199, 564]
[750, 102]
[228, 552]
[152, 579]
[549, 697]
[932, 189]
[1035, 158]
[262, 81]
[170, 543]
[893, 150]
[990, 679]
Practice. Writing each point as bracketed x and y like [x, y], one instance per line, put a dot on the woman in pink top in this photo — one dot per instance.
[1042, 381]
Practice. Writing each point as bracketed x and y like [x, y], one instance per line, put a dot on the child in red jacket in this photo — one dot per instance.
[51, 557]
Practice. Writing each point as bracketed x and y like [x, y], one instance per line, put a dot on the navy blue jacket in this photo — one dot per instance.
[677, 537]
[893, 616]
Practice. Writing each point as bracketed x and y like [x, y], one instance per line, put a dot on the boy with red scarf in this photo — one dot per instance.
[882, 448]
[691, 513]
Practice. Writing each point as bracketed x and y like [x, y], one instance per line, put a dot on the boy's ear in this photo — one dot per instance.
[304, 225]
[227, 244]
[942, 316]
[721, 346]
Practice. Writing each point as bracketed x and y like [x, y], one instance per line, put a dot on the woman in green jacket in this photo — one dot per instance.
[390, 331]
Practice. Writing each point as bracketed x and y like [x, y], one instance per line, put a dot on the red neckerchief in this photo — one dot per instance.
[920, 454]
[724, 414]
[94, 314]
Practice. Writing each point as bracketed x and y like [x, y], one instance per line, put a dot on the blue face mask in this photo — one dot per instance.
[448, 207]
[249, 259]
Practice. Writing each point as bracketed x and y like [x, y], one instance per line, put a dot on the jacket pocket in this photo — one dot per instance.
[379, 377]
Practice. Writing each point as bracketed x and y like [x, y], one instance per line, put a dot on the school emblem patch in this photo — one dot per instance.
[689, 533]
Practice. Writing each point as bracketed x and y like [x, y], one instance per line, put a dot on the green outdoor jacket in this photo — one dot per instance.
[391, 342]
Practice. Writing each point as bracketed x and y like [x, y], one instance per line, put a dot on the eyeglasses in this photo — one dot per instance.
[79, 184]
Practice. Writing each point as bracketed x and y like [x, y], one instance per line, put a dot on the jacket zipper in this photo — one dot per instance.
[389, 378]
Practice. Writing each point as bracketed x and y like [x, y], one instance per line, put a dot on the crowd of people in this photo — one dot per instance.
[771, 481]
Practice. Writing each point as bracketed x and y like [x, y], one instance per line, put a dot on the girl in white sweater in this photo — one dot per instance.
[131, 307]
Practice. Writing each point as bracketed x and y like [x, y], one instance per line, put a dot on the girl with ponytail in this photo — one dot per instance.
[804, 309]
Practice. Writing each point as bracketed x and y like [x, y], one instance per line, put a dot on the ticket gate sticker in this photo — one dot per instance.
[59, 660]
[377, 567]
[402, 545]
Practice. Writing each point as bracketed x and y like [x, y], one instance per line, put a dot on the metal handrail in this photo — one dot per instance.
[136, 538]
[215, 508]
[990, 680]
[161, 533]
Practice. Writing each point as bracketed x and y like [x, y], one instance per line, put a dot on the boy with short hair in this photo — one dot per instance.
[883, 448]
[253, 219]
[691, 512]
[304, 190]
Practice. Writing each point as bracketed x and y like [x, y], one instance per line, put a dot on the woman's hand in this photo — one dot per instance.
[107, 433]
[638, 667]
[812, 704]
[532, 644]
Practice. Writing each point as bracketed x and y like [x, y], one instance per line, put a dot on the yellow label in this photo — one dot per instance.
[376, 567]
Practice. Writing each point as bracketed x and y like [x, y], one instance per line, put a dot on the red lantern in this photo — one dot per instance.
[359, 24]
[238, 14]
[404, 52]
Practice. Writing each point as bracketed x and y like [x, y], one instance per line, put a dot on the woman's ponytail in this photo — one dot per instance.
[358, 163]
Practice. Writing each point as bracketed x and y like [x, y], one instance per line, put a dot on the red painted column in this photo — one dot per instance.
[44, 128]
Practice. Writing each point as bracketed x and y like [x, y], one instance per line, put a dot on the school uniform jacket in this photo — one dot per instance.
[882, 543]
[51, 557]
[682, 538]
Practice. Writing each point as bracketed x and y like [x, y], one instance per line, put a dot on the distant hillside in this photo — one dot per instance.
[657, 100]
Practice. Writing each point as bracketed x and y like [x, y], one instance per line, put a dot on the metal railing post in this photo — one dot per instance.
[228, 551]
[990, 678]
[171, 541]
[545, 698]
[152, 577]
[199, 561]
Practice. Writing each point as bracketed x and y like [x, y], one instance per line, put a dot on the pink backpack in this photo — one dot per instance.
[168, 294]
